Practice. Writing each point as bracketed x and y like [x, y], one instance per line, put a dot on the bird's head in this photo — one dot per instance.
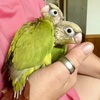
[52, 11]
[67, 32]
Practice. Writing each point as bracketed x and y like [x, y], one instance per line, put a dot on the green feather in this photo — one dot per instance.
[58, 51]
[30, 49]
[27, 47]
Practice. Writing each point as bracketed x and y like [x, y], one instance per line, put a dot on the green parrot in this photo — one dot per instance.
[66, 32]
[38, 44]
[31, 47]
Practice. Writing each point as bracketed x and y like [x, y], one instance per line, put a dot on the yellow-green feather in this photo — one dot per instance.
[32, 46]
[58, 51]
[21, 82]
[30, 49]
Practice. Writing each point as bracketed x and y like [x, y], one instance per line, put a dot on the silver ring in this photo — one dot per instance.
[67, 64]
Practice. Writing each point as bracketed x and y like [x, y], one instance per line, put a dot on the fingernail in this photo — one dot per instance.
[88, 48]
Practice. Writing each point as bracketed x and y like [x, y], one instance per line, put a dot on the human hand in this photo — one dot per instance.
[52, 82]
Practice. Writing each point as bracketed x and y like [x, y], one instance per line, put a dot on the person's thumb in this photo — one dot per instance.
[79, 53]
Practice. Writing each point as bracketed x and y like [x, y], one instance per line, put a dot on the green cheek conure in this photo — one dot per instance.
[38, 44]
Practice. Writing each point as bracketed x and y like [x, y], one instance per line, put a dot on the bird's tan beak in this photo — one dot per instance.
[77, 38]
[45, 9]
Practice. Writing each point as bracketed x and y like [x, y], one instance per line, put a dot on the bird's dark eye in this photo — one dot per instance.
[69, 31]
[53, 12]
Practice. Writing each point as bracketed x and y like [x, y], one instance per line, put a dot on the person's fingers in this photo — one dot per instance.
[79, 53]
[76, 57]
[70, 46]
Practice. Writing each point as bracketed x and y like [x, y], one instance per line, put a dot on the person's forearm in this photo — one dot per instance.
[91, 66]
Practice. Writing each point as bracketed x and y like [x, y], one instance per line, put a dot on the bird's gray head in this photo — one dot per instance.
[67, 32]
[54, 12]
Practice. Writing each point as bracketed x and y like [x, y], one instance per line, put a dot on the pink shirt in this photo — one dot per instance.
[13, 13]
[71, 95]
